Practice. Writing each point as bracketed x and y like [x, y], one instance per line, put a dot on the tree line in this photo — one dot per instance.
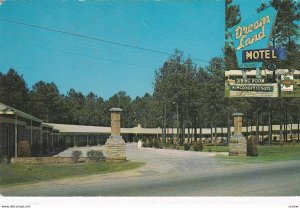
[185, 95]
[44, 101]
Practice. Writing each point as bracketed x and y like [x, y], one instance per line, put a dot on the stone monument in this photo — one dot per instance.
[238, 143]
[115, 145]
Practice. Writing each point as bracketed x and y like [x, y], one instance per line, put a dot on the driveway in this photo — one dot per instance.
[176, 173]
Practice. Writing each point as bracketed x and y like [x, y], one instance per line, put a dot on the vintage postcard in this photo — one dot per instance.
[149, 102]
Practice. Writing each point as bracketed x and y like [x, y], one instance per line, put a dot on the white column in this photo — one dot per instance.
[30, 132]
[74, 141]
[16, 136]
[47, 142]
[41, 136]
[52, 136]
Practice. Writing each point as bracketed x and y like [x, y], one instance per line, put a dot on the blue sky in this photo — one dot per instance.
[195, 27]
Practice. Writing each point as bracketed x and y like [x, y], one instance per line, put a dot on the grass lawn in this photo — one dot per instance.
[268, 154]
[12, 174]
[215, 148]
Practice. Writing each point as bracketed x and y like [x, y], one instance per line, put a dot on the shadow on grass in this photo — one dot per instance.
[267, 154]
[13, 174]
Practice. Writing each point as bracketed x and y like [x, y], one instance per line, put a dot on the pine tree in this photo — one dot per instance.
[286, 30]
[46, 101]
[232, 18]
[13, 90]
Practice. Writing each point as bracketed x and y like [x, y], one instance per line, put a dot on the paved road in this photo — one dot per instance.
[176, 173]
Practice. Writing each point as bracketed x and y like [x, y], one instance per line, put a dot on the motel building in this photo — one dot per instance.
[50, 138]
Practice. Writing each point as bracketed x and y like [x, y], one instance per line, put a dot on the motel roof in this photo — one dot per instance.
[7, 110]
[80, 129]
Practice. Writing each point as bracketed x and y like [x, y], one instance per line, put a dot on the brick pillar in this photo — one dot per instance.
[238, 143]
[115, 145]
[115, 121]
[238, 123]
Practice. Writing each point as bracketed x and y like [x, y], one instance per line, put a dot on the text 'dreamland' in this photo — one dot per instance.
[258, 26]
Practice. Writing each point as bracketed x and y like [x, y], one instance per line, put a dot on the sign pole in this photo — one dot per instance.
[244, 74]
[258, 73]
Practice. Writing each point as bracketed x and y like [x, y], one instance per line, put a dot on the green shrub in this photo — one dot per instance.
[209, 149]
[36, 150]
[95, 155]
[223, 141]
[252, 149]
[145, 144]
[160, 145]
[76, 154]
[80, 144]
[24, 148]
[169, 146]
[264, 141]
[3, 159]
[198, 146]
[157, 144]
[186, 146]
[102, 141]
[150, 142]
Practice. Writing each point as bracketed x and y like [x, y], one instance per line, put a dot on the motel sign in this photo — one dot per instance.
[259, 55]
[251, 35]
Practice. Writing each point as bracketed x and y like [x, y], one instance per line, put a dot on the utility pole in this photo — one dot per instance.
[16, 136]
[228, 129]
[177, 125]
[165, 115]
[298, 133]
[257, 128]
[270, 123]
[285, 126]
